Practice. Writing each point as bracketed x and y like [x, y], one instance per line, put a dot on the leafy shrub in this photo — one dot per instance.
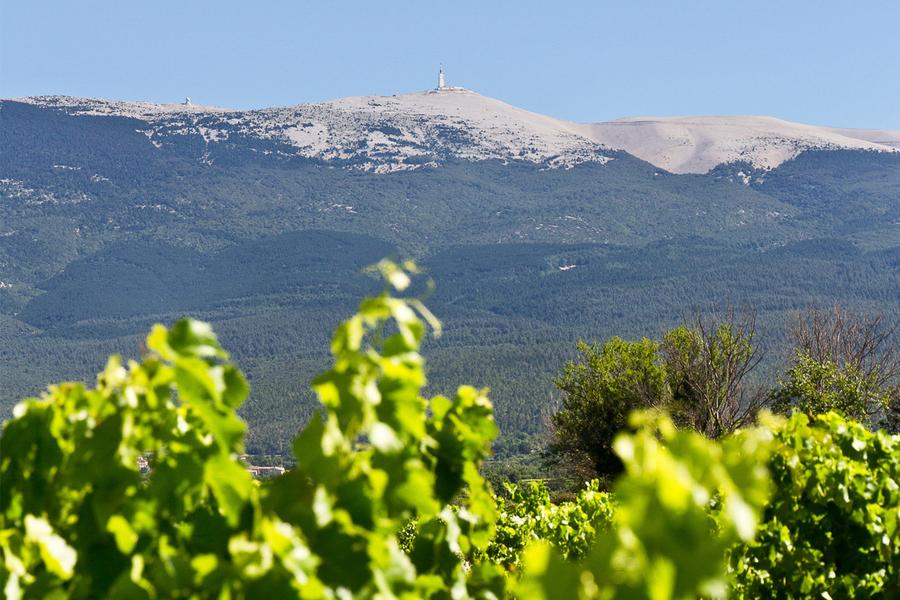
[817, 387]
[528, 515]
[832, 526]
[682, 502]
[77, 517]
[599, 392]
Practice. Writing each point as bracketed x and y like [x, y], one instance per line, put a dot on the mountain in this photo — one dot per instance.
[408, 131]
[699, 144]
[370, 133]
[537, 232]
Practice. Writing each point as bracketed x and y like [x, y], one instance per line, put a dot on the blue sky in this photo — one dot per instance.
[824, 62]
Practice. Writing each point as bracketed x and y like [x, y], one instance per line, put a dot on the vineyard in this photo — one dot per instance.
[387, 499]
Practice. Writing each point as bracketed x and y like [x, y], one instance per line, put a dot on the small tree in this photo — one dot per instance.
[599, 390]
[815, 388]
[709, 370]
[845, 362]
[869, 344]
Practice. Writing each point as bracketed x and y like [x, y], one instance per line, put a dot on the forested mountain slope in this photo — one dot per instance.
[116, 215]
